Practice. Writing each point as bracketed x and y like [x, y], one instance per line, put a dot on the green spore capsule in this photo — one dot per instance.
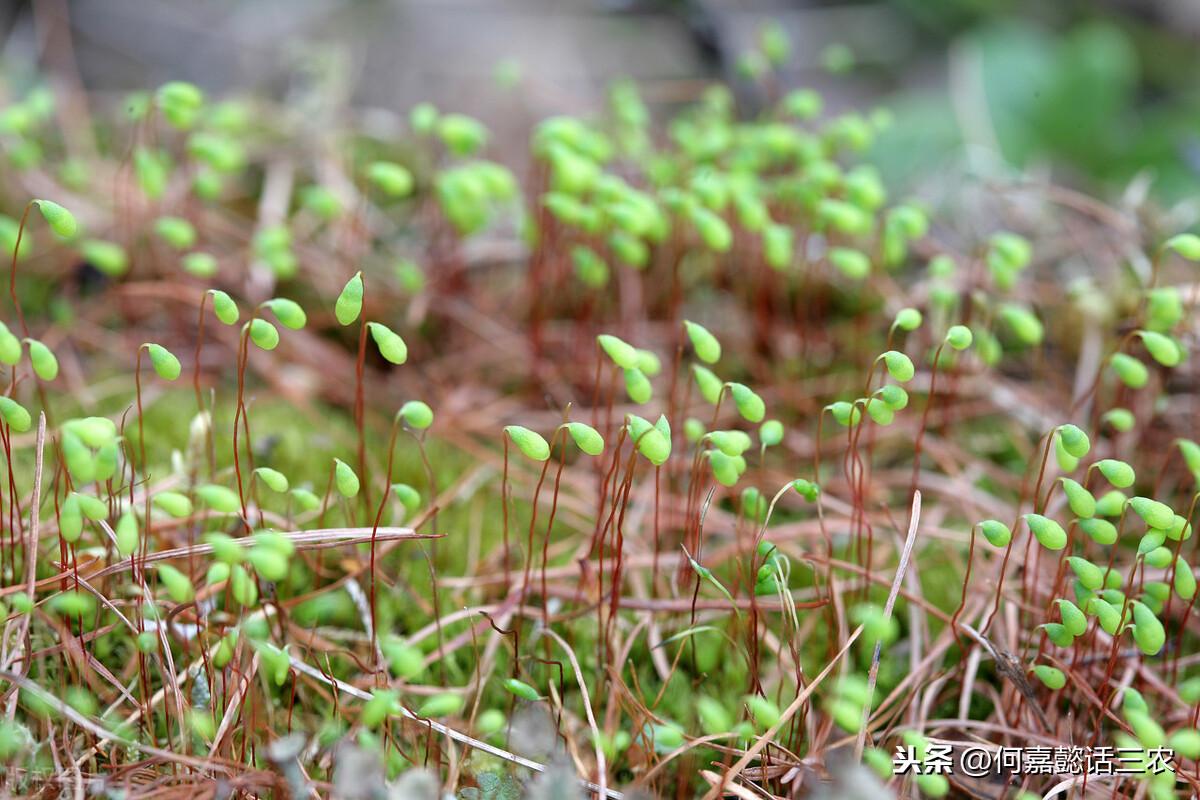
[441, 705]
[176, 232]
[765, 713]
[637, 386]
[907, 319]
[382, 704]
[393, 179]
[590, 268]
[707, 348]
[416, 414]
[391, 346]
[423, 118]
[899, 366]
[623, 354]
[461, 134]
[490, 722]
[15, 415]
[1162, 348]
[321, 201]
[1079, 499]
[264, 334]
[1120, 419]
[845, 413]
[1185, 579]
[530, 443]
[650, 440]
[242, 586]
[288, 312]
[1058, 634]
[714, 718]
[93, 431]
[275, 480]
[80, 462]
[586, 438]
[1185, 244]
[959, 337]
[770, 433]
[778, 245]
[108, 257]
[1052, 677]
[996, 532]
[894, 397]
[61, 221]
[1118, 473]
[854, 264]
[269, 564]
[349, 303]
[173, 503]
[880, 762]
[1185, 742]
[226, 549]
[1101, 531]
[802, 104]
[1073, 618]
[1132, 373]
[724, 467]
[713, 230]
[1026, 327]
[1090, 575]
[1156, 515]
[276, 541]
[1047, 531]
[708, 383]
[10, 346]
[178, 587]
[1159, 557]
[45, 365]
[218, 498]
[648, 362]
[180, 102]
[880, 413]
[70, 520]
[224, 307]
[1148, 732]
[409, 497]
[521, 689]
[1111, 503]
[748, 403]
[164, 361]
[344, 479]
[93, 508]
[305, 500]
[1074, 440]
[127, 534]
[73, 604]
[276, 662]
[404, 661]
[754, 505]
[107, 461]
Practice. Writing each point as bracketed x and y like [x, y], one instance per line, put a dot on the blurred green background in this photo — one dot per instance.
[1089, 92]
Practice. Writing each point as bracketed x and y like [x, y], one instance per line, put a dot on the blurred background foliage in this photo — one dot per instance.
[1089, 92]
[1098, 91]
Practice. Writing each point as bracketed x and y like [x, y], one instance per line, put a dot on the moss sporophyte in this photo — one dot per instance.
[693, 450]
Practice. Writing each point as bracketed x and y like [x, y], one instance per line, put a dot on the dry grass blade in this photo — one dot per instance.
[765, 739]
